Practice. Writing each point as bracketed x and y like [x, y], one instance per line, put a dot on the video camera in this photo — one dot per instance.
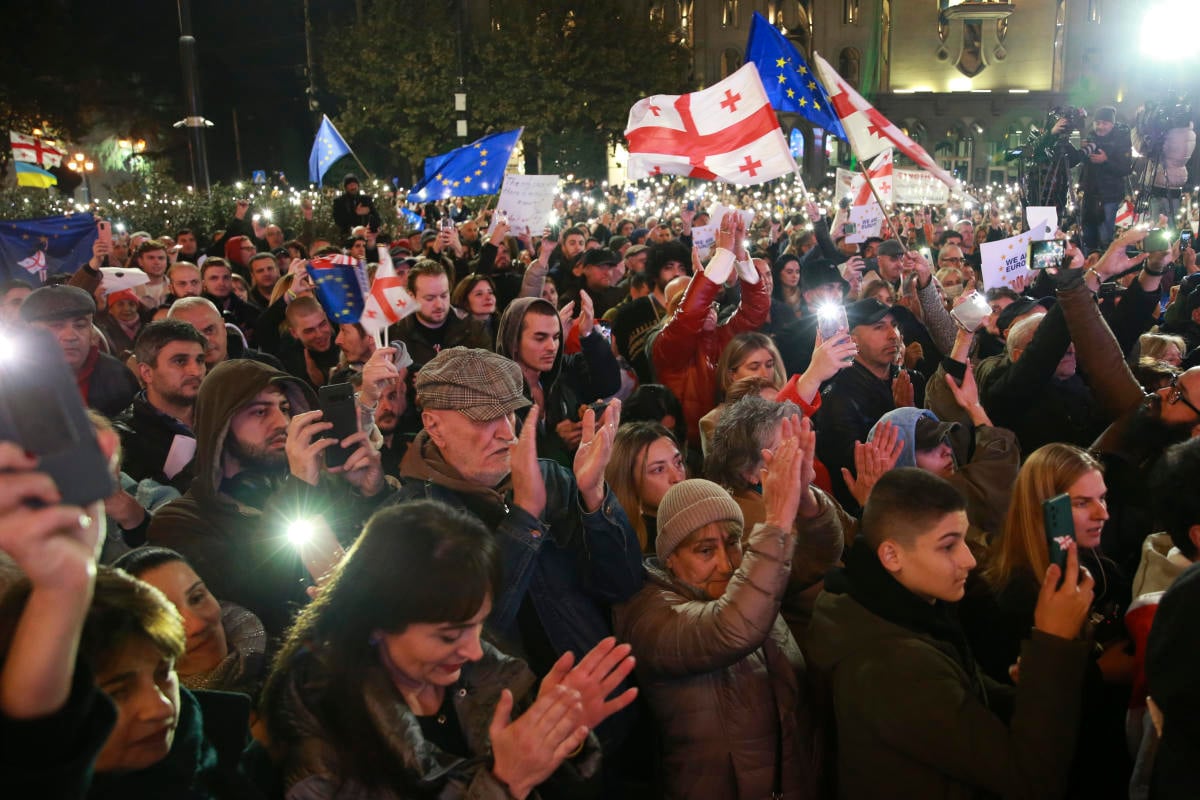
[1155, 120]
[1074, 116]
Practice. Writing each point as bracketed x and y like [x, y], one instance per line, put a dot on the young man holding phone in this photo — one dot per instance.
[916, 717]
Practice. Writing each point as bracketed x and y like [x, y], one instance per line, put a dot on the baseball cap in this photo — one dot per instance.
[866, 312]
[600, 256]
[1018, 308]
[820, 272]
[929, 432]
[481, 384]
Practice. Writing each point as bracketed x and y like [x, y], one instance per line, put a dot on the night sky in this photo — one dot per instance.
[117, 65]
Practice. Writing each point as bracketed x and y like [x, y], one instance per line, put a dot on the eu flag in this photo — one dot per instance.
[477, 168]
[31, 249]
[415, 221]
[327, 148]
[790, 84]
[341, 283]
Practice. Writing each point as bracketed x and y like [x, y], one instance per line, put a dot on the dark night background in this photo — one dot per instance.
[115, 67]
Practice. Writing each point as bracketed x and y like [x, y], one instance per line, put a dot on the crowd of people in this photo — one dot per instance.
[617, 520]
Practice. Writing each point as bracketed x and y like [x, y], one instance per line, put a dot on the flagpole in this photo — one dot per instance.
[867, 177]
[366, 171]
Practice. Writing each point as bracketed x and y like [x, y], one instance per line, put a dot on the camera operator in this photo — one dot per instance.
[1053, 157]
[1108, 159]
[1165, 137]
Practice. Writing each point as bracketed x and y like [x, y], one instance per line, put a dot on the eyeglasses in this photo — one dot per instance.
[949, 260]
[1177, 395]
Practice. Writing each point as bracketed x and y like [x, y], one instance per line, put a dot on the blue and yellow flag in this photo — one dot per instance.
[790, 83]
[327, 148]
[477, 168]
[33, 175]
[341, 286]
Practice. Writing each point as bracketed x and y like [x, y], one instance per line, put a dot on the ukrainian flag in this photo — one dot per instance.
[33, 175]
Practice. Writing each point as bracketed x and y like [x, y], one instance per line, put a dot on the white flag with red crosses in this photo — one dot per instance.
[388, 301]
[727, 132]
[881, 175]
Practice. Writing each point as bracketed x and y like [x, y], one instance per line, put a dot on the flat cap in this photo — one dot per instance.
[57, 302]
[481, 384]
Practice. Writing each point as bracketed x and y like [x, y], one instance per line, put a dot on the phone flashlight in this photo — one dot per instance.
[300, 532]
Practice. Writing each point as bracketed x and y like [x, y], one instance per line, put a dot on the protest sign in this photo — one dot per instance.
[1004, 262]
[1043, 222]
[867, 220]
[527, 200]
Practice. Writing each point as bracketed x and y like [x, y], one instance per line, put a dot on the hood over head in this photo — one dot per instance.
[229, 386]
[508, 332]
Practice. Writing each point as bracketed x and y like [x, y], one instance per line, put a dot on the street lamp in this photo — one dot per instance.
[84, 166]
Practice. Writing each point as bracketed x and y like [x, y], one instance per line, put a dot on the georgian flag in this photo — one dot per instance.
[881, 174]
[727, 132]
[869, 131]
[33, 150]
[388, 301]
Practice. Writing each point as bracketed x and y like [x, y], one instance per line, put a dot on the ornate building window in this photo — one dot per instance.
[729, 14]
[731, 61]
[850, 12]
[850, 65]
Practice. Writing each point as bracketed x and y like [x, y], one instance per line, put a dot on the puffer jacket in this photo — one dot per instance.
[712, 671]
[310, 762]
[685, 356]
[1171, 170]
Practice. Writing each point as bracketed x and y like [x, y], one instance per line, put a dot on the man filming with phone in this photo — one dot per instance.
[259, 469]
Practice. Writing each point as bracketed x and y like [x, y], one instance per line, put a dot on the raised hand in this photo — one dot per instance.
[587, 315]
[566, 316]
[595, 678]
[1115, 261]
[1061, 610]
[594, 451]
[364, 467]
[967, 396]
[872, 460]
[529, 487]
[304, 446]
[378, 373]
[526, 752]
[781, 476]
[902, 390]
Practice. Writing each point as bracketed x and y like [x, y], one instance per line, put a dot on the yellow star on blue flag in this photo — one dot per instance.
[782, 70]
[341, 286]
[327, 148]
[473, 169]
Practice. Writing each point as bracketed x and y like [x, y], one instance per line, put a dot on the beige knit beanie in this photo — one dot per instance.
[687, 507]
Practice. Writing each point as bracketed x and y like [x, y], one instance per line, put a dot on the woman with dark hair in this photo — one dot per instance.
[786, 272]
[475, 296]
[226, 644]
[385, 688]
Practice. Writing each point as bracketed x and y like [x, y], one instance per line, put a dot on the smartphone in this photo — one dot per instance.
[104, 228]
[42, 412]
[502, 217]
[338, 406]
[831, 320]
[1157, 240]
[970, 312]
[1060, 527]
[446, 224]
[691, 205]
[849, 227]
[1185, 240]
[319, 549]
[1046, 254]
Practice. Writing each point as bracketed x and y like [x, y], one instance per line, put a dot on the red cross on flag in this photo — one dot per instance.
[869, 131]
[881, 175]
[726, 132]
[33, 150]
[389, 301]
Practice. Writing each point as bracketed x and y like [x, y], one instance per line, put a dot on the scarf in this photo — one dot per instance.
[84, 377]
[874, 588]
[424, 461]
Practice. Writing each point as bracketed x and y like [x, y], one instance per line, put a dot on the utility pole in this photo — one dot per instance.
[460, 93]
[194, 122]
[311, 89]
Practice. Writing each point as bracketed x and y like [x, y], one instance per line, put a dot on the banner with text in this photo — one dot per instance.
[1005, 261]
[528, 201]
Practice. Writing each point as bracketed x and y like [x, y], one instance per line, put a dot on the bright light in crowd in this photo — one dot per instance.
[300, 532]
[829, 311]
[1166, 29]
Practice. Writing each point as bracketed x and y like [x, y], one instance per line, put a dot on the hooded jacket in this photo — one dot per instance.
[574, 380]
[723, 676]
[238, 544]
[915, 716]
[985, 481]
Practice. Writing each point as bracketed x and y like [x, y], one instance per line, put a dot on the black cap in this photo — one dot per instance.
[929, 432]
[57, 302]
[890, 248]
[820, 272]
[600, 255]
[1018, 308]
[349, 179]
[866, 312]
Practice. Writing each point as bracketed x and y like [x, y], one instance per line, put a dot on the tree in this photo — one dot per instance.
[567, 71]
